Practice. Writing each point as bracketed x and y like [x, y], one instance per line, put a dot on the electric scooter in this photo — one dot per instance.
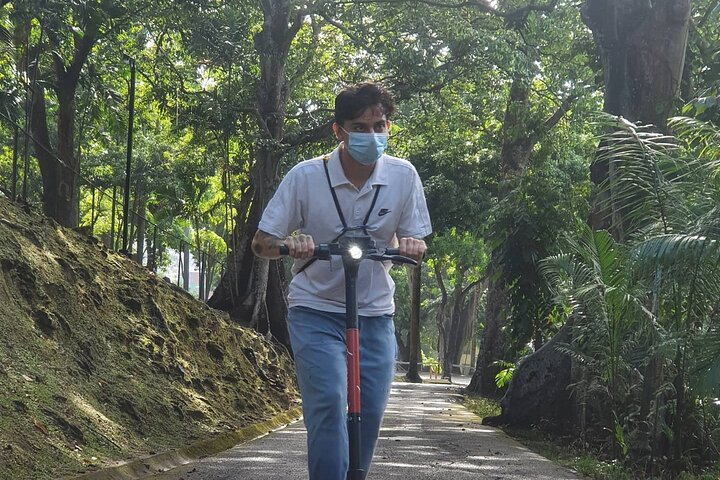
[353, 249]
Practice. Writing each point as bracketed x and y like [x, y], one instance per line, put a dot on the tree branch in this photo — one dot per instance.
[441, 283]
[357, 40]
[707, 14]
[559, 113]
[471, 285]
[82, 51]
[302, 67]
[481, 5]
[308, 136]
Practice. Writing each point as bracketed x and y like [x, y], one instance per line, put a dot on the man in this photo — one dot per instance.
[318, 200]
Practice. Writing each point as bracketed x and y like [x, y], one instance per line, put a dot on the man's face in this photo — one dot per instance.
[371, 120]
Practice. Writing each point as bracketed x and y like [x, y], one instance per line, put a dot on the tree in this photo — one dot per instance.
[521, 132]
[67, 33]
[253, 288]
[461, 258]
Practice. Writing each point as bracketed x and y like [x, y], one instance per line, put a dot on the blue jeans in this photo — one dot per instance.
[318, 343]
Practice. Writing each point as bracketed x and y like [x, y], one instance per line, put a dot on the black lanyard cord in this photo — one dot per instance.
[340, 214]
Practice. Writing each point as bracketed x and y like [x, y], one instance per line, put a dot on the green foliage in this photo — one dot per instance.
[503, 377]
[653, 296]
[430, 362]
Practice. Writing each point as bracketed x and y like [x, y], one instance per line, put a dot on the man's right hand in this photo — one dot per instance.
[268, 246]
[300, 246]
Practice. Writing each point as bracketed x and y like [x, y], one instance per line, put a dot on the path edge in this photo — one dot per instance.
[155, 464]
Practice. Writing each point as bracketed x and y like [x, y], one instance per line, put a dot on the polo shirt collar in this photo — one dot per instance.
[337, 174]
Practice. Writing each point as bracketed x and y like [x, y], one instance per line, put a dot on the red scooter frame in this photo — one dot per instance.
[354, 249]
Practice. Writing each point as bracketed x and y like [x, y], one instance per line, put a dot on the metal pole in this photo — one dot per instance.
[112, 219]
[128, 163]
[92, 211]
[180, 262]
[26, 144]
[154, 249]
[15, 161]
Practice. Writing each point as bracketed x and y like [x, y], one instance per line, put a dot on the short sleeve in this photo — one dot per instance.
[283, 214]
[415, 220]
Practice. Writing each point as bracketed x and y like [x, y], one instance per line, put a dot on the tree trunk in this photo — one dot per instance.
[403, 350]
[642, 47]
[185, 246]
[440, 315]
[464, 312]
[454, 330]
[152, 249]
[201, 278]
[494, 341]
[518, 140]
[415, 284]
[468, 317]
[252, 289]
[59, 168]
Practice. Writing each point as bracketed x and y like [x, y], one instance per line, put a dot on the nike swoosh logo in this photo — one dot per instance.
[383, 211]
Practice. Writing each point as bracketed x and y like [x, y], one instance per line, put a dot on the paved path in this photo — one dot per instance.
[427, 435]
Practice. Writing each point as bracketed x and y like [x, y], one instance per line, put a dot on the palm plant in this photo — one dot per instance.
[607, 312]
[645, 307]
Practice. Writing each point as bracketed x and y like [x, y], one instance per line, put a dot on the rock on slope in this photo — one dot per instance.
[100, 361]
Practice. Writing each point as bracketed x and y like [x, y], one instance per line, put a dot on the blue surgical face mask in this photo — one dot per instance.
[366, 148]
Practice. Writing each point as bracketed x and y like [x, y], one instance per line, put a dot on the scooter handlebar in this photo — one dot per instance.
[319, 250]
[323, 251]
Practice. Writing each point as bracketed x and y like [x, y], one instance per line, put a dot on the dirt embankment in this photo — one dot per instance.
[100, 361]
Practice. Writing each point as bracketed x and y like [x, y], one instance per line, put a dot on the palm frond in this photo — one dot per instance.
[648, 180]
[673, 249]
[6, 36]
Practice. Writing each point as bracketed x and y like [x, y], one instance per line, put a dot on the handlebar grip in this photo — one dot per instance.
[392, 251]
[284, 250]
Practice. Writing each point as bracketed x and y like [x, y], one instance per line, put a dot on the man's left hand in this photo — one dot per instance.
[413, 247]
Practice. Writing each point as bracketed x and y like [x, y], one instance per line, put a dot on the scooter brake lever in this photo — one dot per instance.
[393, 258]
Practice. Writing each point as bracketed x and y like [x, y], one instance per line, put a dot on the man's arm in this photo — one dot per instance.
[268, 246]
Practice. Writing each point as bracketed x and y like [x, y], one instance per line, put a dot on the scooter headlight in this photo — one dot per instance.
[355, 252]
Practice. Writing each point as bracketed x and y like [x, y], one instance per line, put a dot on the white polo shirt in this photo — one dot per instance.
[303, 202]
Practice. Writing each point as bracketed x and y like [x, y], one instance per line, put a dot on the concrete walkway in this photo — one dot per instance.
[427, 435]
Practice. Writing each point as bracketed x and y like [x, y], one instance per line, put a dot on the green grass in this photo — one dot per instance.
[482, 407]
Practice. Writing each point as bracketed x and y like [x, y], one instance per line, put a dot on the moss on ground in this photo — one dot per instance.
[102, 362]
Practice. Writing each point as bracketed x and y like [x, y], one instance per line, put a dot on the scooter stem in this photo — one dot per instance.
[351, 267]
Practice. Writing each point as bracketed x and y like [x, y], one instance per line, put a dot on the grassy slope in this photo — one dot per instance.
[100, 361]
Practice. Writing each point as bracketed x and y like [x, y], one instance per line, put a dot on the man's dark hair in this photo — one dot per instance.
[353, 100]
